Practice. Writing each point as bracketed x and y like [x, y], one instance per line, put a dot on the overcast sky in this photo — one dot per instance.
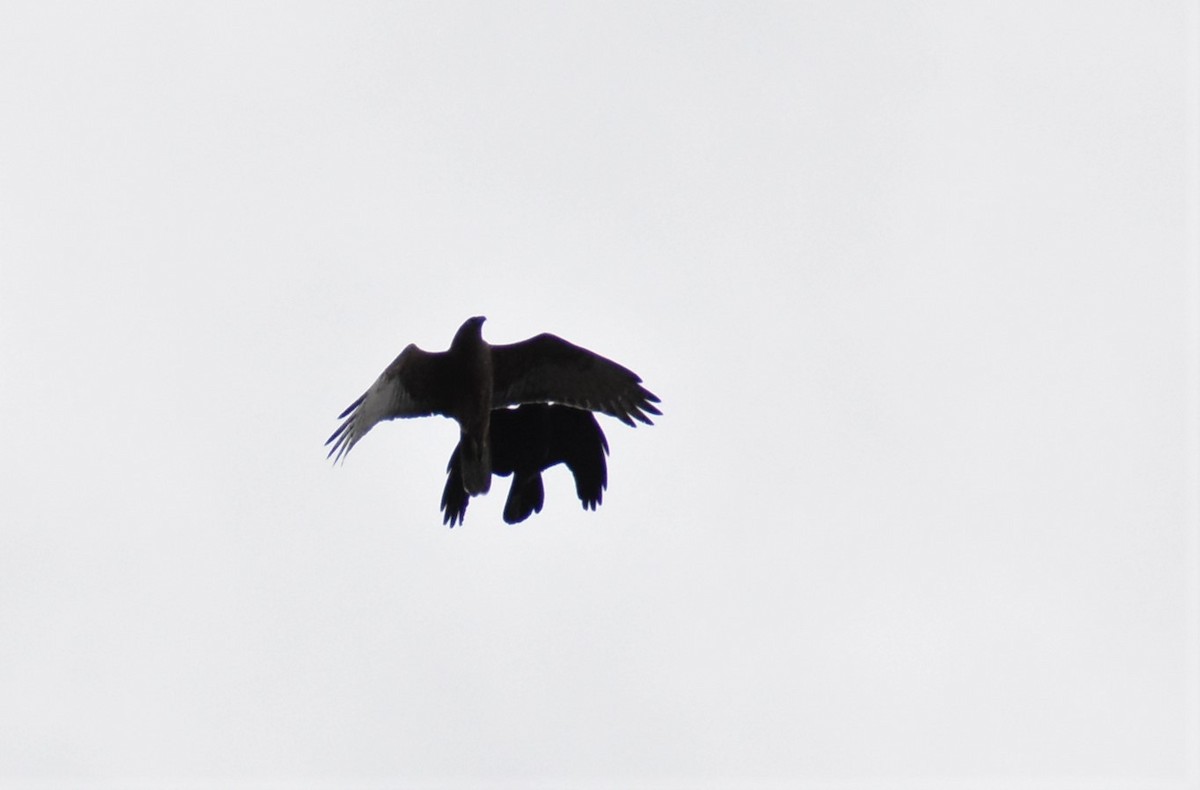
[915, 281]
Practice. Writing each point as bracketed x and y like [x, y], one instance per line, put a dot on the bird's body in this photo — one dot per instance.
[472, 378]
[468, 367]
[524, 442]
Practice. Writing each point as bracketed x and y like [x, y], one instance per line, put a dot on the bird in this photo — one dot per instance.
[525, 441]
[472, 378]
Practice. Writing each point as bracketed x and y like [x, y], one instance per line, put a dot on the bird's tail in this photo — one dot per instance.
[476, 459]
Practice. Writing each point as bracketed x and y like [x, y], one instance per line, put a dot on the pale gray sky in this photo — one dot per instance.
[916, 282]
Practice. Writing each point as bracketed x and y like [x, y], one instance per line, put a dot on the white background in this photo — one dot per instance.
[916, 283]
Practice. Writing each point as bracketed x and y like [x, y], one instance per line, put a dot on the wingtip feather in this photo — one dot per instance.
[352, 406]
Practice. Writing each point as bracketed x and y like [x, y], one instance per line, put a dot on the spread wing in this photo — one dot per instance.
[454, 497]
[537, 436]
[410, 387]
[548, 369]
[580, 444]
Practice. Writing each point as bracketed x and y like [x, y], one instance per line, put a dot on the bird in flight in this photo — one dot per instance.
[527, 440]
[472, 379]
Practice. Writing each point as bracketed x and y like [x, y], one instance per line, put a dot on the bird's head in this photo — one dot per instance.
[471, 329]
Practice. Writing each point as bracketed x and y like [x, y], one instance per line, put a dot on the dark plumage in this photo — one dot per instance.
[527, 440]
[472, 378]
